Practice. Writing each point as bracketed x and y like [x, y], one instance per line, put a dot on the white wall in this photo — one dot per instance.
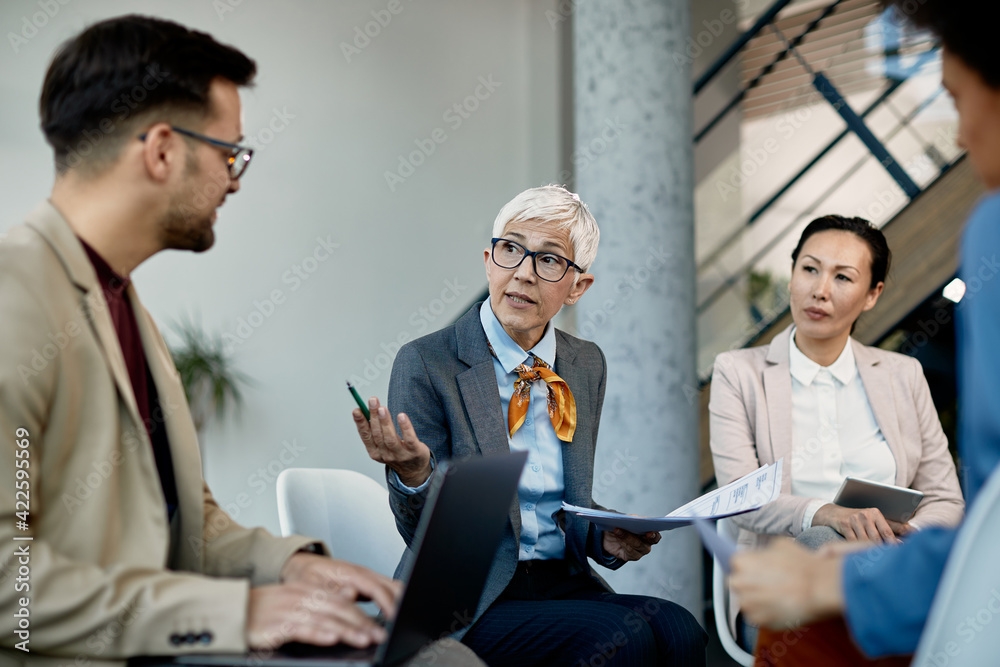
[322, 177]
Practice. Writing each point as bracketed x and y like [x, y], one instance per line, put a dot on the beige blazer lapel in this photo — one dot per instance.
[184, 452]
[879, 389]
[777, 380]
[48, 222]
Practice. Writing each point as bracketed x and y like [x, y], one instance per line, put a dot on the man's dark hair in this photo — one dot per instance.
[864, 230]
[966, 28]
[127, 69]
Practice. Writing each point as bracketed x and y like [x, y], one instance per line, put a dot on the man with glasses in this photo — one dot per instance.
[237, 157]
[111, 545]
[502, 379]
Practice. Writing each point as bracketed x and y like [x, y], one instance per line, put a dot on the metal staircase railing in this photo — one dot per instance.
[843, 55]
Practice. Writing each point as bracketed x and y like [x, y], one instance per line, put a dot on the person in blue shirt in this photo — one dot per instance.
[884, 595]
[503, 378]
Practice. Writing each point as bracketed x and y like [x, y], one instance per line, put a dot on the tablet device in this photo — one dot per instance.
[895, 502]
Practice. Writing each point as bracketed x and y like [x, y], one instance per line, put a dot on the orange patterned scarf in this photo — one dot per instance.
[561, 404]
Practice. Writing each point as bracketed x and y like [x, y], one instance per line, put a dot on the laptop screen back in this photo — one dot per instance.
[455, 546]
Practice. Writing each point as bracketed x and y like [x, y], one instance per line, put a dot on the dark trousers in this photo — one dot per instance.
[547, 616]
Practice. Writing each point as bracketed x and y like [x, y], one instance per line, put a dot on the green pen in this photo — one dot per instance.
[361, 404]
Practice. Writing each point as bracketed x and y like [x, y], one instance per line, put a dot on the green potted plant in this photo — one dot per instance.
[765, 293]
[211, 384]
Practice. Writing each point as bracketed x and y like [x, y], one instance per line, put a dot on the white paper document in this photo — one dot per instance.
[749, 493]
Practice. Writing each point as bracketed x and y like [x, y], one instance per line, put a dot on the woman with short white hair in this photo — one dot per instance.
[500, 379]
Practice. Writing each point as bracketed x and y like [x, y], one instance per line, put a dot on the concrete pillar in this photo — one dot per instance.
[634, 166]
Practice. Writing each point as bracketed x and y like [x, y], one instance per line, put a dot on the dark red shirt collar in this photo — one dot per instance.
[122, 315]
[110, 281]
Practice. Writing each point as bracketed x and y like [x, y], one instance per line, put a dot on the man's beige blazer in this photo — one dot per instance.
[107, 576]
[751, 425]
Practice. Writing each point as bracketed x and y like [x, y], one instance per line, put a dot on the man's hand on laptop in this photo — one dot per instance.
[351, 581]
[315, 604]
[408, 457]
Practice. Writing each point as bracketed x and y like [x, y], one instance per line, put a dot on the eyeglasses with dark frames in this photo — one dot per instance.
[237, 158]
[548, 266]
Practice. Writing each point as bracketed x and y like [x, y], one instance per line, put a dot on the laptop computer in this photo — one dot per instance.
[458, 535]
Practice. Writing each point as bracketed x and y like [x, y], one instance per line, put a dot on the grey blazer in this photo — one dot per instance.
[446, 384]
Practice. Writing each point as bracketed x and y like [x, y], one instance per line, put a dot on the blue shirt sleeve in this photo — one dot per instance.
[977, 318]
[888, 591]
[409, 490]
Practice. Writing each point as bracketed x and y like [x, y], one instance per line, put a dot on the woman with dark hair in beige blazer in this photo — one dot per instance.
[830, 406]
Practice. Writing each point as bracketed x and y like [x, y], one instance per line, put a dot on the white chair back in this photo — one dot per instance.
[345, 509]
[720, 600]
[963, 628]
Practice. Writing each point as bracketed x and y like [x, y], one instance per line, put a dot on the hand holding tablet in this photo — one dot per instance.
[895, 502]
